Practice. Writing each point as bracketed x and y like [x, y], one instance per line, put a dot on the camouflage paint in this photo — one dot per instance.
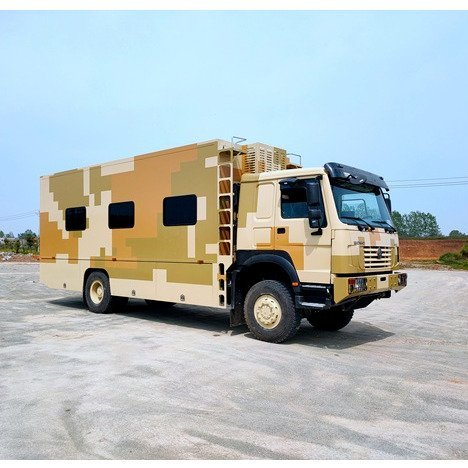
[186, 263]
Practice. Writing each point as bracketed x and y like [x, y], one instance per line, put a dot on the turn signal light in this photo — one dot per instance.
[357, 285]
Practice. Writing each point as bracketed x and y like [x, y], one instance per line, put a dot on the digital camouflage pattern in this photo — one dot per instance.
[149, 260]
[189, 263]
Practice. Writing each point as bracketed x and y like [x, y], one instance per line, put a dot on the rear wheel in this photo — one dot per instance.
[97, 295]
[270, 313]
[331, 320]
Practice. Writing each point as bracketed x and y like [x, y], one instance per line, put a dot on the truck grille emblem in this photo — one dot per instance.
[379, 253]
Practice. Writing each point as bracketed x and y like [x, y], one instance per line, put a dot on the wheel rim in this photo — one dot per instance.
[267, 311]
[96, 291]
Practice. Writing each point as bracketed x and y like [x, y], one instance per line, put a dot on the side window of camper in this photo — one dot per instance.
[121, 215]
[75, 219]
[180, 211]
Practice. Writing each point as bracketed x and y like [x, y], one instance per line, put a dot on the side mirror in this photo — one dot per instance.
[315, 217]
[313, 192]
[313, 203]
[388, 202]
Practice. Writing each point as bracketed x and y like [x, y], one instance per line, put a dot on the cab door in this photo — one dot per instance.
[309, 248]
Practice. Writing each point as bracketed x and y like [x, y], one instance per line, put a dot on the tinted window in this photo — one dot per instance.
[180, 211]
[75, 219]
[121, 215]
[293, 203]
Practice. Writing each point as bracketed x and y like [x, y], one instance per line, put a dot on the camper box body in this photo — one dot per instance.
[159, 224]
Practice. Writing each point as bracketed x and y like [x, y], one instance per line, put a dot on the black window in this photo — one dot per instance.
[75, 219]
[121, 215]
[180, 211]
[293, 203]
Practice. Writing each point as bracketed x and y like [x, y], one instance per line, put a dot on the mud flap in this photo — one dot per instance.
[237, 315]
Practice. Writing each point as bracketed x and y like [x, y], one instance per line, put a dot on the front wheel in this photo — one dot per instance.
[270, 313]
[331, 320]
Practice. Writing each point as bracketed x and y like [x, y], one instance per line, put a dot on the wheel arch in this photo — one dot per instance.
[252, 267]
[88, 271]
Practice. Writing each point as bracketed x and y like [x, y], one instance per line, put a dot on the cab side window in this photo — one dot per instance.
[294, 203]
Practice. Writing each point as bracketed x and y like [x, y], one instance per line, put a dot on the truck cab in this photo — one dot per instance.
[326, 234]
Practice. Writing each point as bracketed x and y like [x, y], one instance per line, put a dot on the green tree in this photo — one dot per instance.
[30, 237]
[26, 234]
[16, 245]
[419, 224]
[457, 233]
[399, 222]
[2, 234]
[416, 224]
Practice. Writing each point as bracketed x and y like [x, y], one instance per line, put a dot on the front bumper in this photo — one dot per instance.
[369, 284]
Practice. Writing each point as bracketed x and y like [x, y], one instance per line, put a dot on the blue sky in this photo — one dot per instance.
[384, 91]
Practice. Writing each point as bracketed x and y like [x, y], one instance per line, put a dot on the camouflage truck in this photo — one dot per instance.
[236, 227]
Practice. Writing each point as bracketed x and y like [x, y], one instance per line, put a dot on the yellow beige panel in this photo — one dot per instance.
[188, 272]
[67, 189]
[55, 275]
[295, 250]
[345, 264]
[50, 206]
[197, 294]
[117, 167]
[247, 204]
[98, 184]
[97, 240]
[52, 242]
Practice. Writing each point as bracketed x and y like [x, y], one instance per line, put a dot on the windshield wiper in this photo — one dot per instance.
[380, 221]
[359, 219]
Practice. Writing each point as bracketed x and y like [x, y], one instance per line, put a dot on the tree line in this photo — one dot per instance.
[26, 242]
[421, 225]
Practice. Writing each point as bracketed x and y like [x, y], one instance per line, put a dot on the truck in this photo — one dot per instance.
[238, 227]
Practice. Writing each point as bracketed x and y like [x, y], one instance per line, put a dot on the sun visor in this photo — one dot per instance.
[353, 175]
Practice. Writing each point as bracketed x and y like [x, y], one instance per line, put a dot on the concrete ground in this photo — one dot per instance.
[178, 383]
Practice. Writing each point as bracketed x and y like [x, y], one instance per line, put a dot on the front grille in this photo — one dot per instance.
[377, 257]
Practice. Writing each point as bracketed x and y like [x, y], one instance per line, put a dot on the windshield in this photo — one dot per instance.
[361, 205]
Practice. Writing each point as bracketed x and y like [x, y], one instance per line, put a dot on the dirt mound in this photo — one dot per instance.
[14, 257]
[428, 249]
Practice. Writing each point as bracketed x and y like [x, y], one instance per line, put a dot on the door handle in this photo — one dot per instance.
[281, 230]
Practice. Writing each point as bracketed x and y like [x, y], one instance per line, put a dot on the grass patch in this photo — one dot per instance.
[456, 260]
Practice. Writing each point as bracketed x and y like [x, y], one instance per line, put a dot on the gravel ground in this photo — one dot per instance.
[178, 383]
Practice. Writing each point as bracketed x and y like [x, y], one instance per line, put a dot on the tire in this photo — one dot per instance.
[270, 313]
[157, 304]
[97, 295]
[330, 320]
